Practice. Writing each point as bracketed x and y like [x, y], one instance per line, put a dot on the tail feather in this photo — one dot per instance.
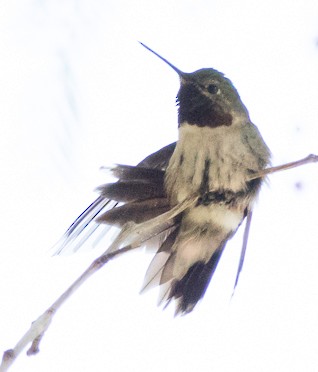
[167, 272]
[192, 287]
[154, 273]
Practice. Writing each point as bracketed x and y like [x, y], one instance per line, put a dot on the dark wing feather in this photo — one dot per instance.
[139, 211]
[131, 191]
[145, 173]
[159, 159]
[138, 173]
[83, 227]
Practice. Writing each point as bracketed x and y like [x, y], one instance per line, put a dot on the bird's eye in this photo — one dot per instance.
[212, 88]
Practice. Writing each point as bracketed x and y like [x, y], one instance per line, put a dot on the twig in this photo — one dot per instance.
[137, 233]
[311, 158]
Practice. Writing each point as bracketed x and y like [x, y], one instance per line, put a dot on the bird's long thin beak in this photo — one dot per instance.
[179, 72]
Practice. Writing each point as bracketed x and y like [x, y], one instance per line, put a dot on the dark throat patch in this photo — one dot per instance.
[198, 109]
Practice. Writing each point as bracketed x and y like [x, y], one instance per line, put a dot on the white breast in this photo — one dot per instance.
[228, 159]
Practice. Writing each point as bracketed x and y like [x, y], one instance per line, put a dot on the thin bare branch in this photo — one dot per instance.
[312, 158]
[134, 235]
[137, 234]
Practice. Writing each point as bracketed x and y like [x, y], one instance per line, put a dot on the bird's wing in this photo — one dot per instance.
[138, 195]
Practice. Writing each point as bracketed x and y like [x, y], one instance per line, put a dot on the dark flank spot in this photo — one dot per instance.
[253, 185]
[200, 110]
[181, 160]
[212, 197]
[245, 212]
[205, 177]
[228, 197]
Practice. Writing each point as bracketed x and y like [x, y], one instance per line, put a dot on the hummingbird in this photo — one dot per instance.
[215, 157]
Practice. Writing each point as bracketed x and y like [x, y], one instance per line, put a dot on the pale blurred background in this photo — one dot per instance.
[76, 92]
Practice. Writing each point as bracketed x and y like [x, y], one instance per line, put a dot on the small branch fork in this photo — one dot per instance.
[136, 235]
